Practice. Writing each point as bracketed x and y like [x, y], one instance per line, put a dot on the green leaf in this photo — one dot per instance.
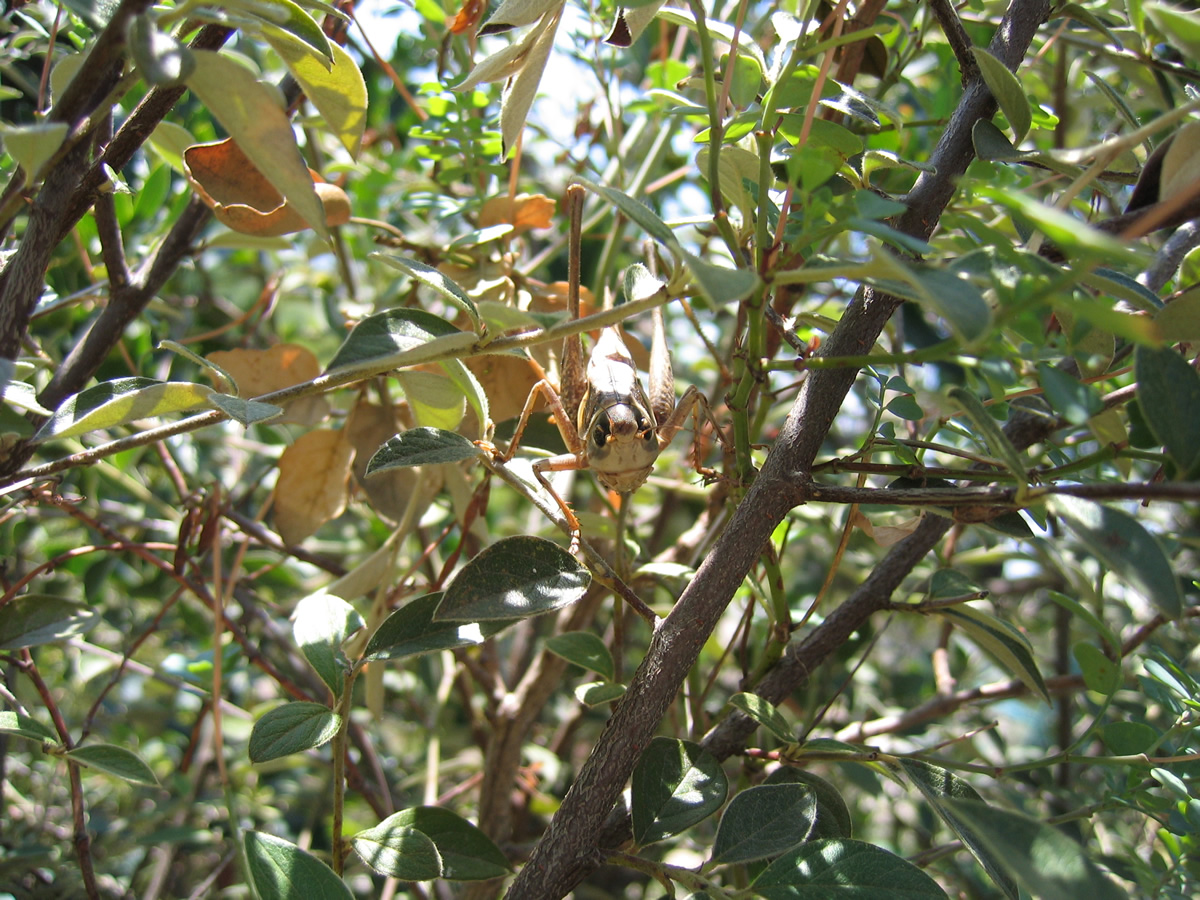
[515, 578]
[435, 281]
[675, 785]
[994, 438]
[597, 693]
[937, 785]
[764, 714]
[1081, 612]
[1008, 92]
[34, 619]
[585, 650]
[283, 18]
[434, 399]
[947, 294]
[1179, 26]
[162, 60]
[1002, 641]
[1128, 738]
[1100, 673]
[1126, 549]
[31, 146]
[1042, 860]
[412, 630]
[833, 816]
[250, 112]
[1179, 320]
[422, 447]
[1074, 237]
[639, 214]
[721, 284]
[118, 402]
[244, 412]
[1071, 398]
[25, 727]
[1168, 389]
[113, 760]
[846, 870]
[467, 854]
[279, 870]
[399, 851]
[292, 728]
[764, 821]
[321, 624]
[387, 334]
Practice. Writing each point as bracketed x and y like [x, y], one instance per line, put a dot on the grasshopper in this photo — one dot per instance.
[607, 419]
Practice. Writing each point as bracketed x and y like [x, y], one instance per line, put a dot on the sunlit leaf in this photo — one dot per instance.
[764, 821]
[279, 870]
[675, 785]
[113, 760]
[846, 869]
[292, 728]
[514, 578]
[119, 402]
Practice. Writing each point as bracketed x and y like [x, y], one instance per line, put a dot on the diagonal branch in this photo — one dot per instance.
[570, 849]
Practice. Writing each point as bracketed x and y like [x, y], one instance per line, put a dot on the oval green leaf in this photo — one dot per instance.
[244, 412]
[113, 760]
[938, 784]
[279, 870]
[321, 624]
[34, 619]
[852, 870]
[467, 854]
[1008, 92]
[585, 650]
[1100, 673]
[764, 714]
[338, 92]
[1001, 641]
[1168, 390]
[118, 402]
[434, 280]
[675, 785]
[411, 630]
[765, 821]
[386, 334]
[399, 851]
[292, 728]
[833, 815]
[1128, 738]
[1042, 860]
[25, 727]
[640, 214]
[422, 447]
[1126, 549]
[514, 578]
[597, 693]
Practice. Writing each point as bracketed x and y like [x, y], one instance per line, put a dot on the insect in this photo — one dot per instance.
[607, 419]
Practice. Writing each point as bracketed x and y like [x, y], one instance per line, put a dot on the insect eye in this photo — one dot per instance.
[600, 432]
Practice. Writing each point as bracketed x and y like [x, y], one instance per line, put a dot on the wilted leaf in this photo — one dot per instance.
[251, 114]
[519, 92]
[260, 372]
[507, 381]
[368, 427]
[244, 199]
[523, 212]
[313, 483]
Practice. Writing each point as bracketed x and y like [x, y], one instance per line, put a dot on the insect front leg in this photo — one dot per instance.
[693, 403]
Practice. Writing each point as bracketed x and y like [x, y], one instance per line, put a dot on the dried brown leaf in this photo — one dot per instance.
[313, 484]
[260, 372]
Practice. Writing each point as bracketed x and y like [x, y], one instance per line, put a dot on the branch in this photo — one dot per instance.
[956, 35]
[569, 850]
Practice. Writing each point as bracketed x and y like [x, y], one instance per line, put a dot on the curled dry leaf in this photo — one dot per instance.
[259, 372]
[468, 16]
[523, 212]
[885, 535]
[368, 427]
[313, 484]
[241, 197]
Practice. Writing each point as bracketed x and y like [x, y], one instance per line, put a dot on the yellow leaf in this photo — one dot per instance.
[259, 372]
[313, 484]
